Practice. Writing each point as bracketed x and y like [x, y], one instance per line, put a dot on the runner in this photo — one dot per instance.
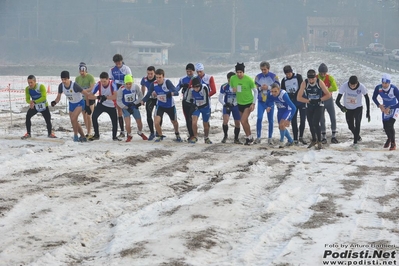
[200, 98]
[36, 97]
[263, 81]
[291, 83]
[353, 107]
[86, 81]
[107, 90]
[315, 92]
[117, 74]
[129, 100]
[229, 101]
[152, 101]
[389, 108]
[184, 87]
[285, 111]
[331, 85]
[74, 94]
[246, 94]
[163, 89]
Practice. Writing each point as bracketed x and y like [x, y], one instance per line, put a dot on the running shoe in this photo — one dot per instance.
[224, 140]
[207, 141]
[393, 146]
[129, 138]
[94, 137]
[121, 135]
[334, 140]
[51, 136]
[26, 136]
[144, 137]
[151, 137]
[386, 145]
[237, 141]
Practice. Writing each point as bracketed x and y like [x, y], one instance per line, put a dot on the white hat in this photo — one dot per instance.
[386, 78]
[199, 67]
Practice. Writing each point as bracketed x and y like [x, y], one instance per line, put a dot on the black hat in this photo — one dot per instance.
[323, 68]
[190, 66]
[195, 82]
[353, 80]
[65, 74]
[311, 73]
[82, 66]
[240, 67]
[287, 69]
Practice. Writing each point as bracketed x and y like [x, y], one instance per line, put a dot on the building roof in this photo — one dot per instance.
[157, 44]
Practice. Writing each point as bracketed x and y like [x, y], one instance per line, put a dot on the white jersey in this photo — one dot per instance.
[352, 98]
[73, 92]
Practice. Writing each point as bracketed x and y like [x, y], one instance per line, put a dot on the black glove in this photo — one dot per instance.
[168, 95]
[315, 101]
[53, 103]
[192, 101]
[185, 86]
[102, 98]
[368, 115]
[228, 107]
[137, 105]
[343, 109]
[88, 109]
[130, 110]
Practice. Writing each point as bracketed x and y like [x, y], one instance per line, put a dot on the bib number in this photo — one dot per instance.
[351, 100]
[162, 98]
[70, 98]
[238, 88]
[40, 107]
[129, 98]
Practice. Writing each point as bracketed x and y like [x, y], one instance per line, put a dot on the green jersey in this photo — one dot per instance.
[244, 88]
[86, 81]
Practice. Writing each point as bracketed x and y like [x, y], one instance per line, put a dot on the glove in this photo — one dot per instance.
[130, 110]
[368, 115]
[102, 98]
[53, 103]
[315, 101]
[169, 95]
[185, 86]
[228, 107]
[137, 105]
[343, 109]
[88, 109]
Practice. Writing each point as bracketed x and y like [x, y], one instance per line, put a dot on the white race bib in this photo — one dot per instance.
[162, 98]
[40, 107]
[129, 98]
[238, 88]
[351, 100]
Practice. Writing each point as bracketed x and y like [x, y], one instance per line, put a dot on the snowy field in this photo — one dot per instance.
[179, 204]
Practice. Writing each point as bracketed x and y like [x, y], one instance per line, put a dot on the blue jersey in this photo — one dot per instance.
[282, 101]
[390, 98]
[162, 91]
[262, 79]
[229, 95]
[201, 97]
[184, 80]
[118, 74]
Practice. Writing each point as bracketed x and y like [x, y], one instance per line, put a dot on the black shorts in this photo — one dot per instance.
[91, 102]
[242, 108]
[171, 112]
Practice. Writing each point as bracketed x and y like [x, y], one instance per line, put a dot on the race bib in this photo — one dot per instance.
[238, 88]
[200, 102]
[40, 107]
[70, 98]
[280, 105]
[396, 114]
[351, 100]
[162, 98]
[129, 98]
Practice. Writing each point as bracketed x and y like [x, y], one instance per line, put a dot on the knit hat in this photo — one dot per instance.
[323, 68]
[82, 66]
[128, 79]
[199, 67]
[353, 80]
[195, 82]
[386, 78]
[65, 74]
[311, 73]
[287, 69]
[190, 66]
[240, 67]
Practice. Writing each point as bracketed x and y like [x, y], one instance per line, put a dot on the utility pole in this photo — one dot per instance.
[233, 29]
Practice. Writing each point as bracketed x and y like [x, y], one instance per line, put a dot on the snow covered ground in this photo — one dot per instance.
[146, 203]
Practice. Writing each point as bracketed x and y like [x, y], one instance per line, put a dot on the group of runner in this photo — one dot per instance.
[118, 96]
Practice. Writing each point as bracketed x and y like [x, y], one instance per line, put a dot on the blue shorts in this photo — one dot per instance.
[234, 110]
[73, 106]
[284, 114]
[206, 113]
[136, 113]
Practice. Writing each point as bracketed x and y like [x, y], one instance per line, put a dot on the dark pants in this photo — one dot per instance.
[187, 111]
[111, 111]
[314, 114]
[302, 119]
[46, 115]
[354, 119]
[389, 129]
[149, 108]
